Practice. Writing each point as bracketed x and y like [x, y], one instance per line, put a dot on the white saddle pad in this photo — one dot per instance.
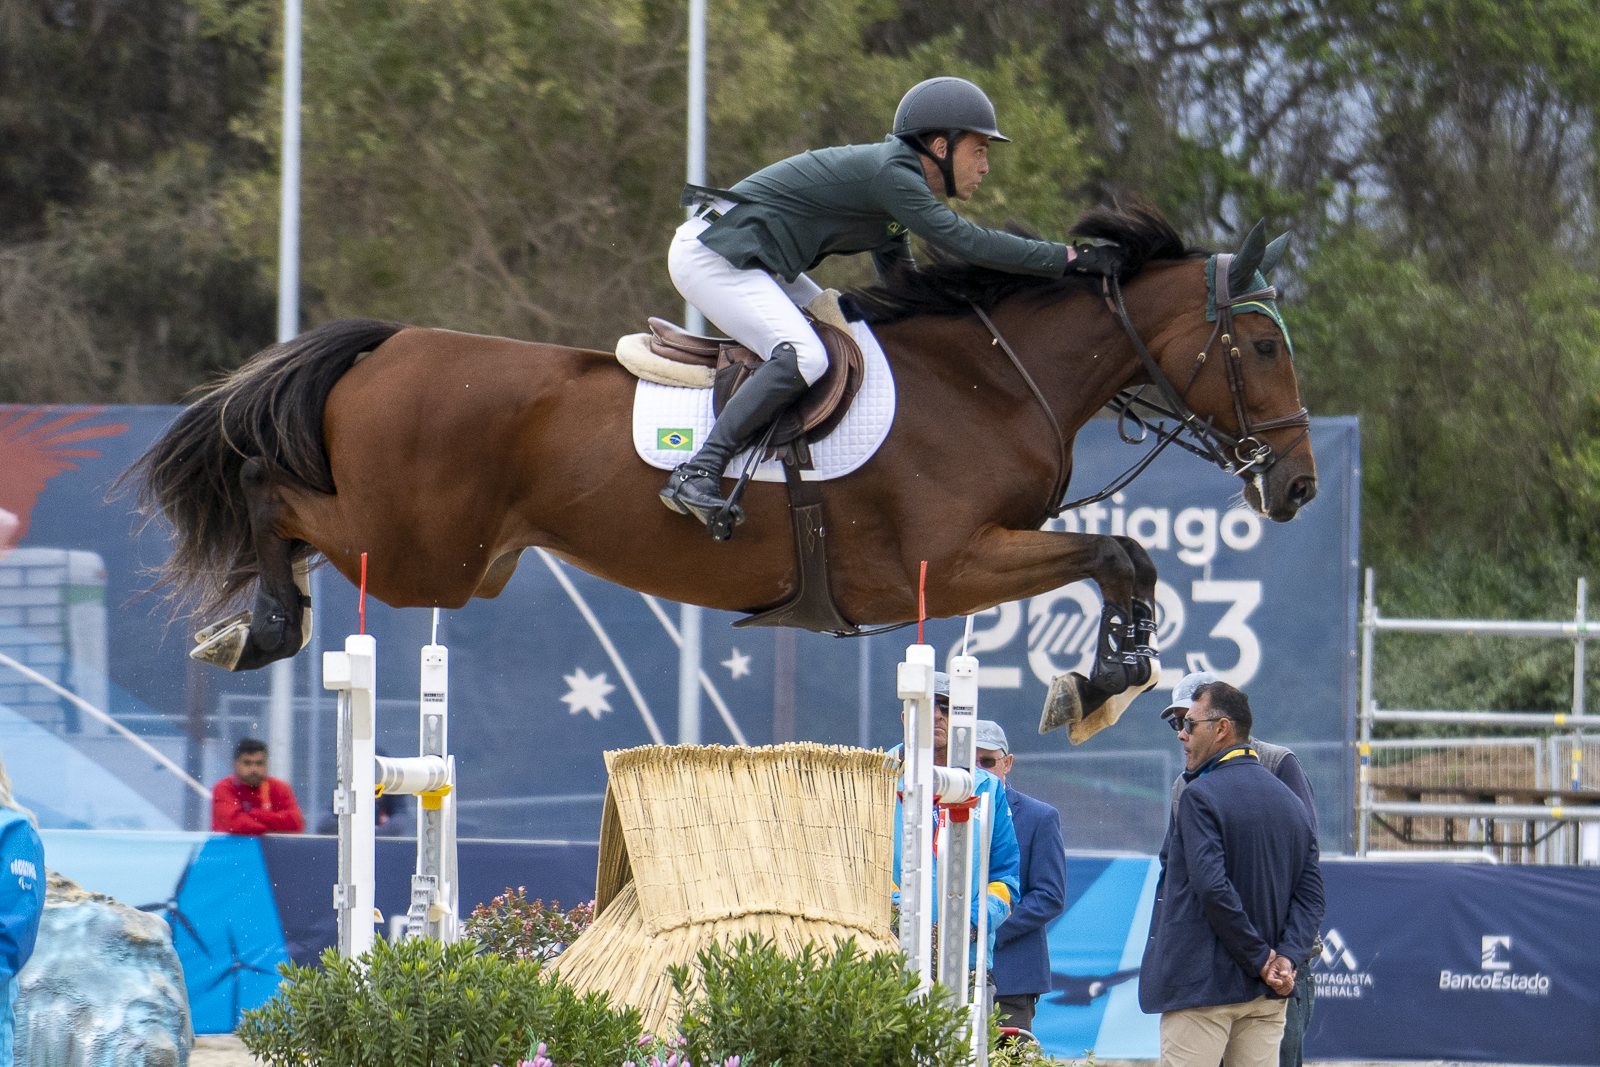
[670, 423]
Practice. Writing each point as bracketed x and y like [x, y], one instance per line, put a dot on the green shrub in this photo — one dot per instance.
[516, 928]
[814, 1010]
[423, 1004]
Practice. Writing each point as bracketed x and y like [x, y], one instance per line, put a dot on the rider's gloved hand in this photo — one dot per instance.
[1096, 259]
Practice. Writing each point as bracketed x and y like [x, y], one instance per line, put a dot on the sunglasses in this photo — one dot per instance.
[989, 763]
[1186, 723]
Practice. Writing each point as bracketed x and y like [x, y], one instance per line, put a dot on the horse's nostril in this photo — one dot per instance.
[1302, 489]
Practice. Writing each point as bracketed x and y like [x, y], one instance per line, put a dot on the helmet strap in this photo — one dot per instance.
[947, 165]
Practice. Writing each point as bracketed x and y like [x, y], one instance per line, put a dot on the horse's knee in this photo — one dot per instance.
[1144, 568]
[1114, 571]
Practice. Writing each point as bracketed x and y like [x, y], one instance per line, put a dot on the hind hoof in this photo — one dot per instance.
[222, 644]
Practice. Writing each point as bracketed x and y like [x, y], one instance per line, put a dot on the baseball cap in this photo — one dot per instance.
[1183, 692]
[992, 737]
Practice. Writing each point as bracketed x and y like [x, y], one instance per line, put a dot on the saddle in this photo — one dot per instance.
[811, 418]
[820, 408]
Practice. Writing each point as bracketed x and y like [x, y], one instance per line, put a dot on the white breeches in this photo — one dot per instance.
[755, 308]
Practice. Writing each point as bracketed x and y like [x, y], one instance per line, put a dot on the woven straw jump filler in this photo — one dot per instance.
[703, 844]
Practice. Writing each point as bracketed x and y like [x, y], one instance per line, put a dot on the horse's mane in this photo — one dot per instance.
[949, 286]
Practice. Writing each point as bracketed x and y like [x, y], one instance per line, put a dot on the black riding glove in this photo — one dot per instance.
[1096, 259]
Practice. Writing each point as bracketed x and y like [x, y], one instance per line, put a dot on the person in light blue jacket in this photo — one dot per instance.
[1005, 878]
[21, 902]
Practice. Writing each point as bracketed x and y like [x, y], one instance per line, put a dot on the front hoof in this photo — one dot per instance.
[1063, 705]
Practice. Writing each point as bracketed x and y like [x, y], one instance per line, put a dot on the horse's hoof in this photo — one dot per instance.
[1063, 705]
[222, 644]
[1108, 711]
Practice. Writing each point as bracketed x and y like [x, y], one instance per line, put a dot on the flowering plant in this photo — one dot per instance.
[515, 928]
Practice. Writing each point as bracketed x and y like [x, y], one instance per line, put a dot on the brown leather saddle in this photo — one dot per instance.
[815, 415]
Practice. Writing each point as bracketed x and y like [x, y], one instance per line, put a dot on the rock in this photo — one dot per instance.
[104, 987]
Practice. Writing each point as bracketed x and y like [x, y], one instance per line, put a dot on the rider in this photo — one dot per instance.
[741, 258]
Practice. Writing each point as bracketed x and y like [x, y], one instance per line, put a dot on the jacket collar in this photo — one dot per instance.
[1243, 752]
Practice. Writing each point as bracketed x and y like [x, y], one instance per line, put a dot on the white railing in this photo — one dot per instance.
[1547, 822]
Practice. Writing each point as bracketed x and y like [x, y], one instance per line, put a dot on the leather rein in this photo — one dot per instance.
[1247, 450]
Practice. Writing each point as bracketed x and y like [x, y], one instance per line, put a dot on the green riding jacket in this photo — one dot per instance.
[857, 198]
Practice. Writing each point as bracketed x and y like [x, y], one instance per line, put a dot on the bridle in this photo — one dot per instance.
[1247, 451]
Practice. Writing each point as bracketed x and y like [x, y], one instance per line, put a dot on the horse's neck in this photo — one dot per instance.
[1075, 351]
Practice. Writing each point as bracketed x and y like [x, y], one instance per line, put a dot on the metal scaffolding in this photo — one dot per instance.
[1522, 795]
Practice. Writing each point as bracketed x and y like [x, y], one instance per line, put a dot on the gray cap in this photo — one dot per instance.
[941, 684]
[992, 737]
[1183, 692]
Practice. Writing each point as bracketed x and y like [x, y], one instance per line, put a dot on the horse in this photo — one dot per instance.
[440, 456]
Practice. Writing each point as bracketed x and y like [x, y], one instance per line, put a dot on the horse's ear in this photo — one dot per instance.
[1274, 252]
[1248, 258]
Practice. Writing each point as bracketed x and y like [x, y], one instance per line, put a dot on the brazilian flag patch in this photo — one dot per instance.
[896, 229]
[675, 439]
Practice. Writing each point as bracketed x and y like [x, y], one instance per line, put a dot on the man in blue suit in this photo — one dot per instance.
[1021, 967]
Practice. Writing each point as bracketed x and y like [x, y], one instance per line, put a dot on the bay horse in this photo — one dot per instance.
[442, 456]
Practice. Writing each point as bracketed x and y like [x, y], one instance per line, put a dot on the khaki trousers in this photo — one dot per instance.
[1235, 1035]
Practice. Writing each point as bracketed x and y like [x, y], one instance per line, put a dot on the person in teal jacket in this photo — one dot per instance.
[1005, 858]
[21, 903]
[741, 259]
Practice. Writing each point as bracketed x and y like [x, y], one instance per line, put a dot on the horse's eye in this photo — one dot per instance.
[1267, 347]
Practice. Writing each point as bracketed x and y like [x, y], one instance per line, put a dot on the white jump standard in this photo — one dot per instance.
[965, 839]
[363, 776]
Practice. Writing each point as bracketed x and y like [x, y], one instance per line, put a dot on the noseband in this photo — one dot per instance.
[1248, 451]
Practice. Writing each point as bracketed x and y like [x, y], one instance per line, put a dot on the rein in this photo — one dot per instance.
[1206, 440]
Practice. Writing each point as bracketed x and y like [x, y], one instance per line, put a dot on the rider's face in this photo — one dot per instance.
[971, 164]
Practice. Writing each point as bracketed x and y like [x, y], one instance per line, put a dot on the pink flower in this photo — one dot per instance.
[645, 1040]
[731, 1061]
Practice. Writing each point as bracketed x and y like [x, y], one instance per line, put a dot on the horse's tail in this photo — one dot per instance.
[270, 408]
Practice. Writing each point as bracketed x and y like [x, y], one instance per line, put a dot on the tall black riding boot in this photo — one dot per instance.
[695, 487]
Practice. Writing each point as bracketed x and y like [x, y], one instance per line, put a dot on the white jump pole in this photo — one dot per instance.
[914, 683]
[364, 776]
[435, 891]
[353, 674]
[925, 790]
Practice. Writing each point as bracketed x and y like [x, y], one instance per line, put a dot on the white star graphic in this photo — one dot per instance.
[738, 664]
[586, 693]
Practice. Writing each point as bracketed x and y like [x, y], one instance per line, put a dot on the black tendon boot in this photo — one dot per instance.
[1141, 636]
[695, 487]
[1110, 671]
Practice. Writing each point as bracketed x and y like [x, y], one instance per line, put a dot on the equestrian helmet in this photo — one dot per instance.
[940, 105]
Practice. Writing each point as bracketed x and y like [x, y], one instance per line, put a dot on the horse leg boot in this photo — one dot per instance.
[1122, 670]
[695, 487]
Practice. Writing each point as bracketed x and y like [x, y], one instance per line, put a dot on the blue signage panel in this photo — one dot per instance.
[563, 666]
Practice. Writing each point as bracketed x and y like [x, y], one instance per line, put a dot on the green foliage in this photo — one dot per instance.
[1026, 1053]
[424, 1004]
[839, 1009]
[515, 928]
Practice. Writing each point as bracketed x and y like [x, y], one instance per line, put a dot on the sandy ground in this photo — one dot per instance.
[225, 1050]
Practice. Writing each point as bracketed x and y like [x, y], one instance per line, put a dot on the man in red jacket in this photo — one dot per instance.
[248, 802]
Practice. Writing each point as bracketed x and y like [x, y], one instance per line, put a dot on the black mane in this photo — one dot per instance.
[948, 286]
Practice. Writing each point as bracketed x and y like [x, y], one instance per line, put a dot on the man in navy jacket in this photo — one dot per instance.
[1240, 898]
[1285, 766]
[1021, 968]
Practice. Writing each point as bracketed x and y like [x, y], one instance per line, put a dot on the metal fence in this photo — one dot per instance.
[1522, 798]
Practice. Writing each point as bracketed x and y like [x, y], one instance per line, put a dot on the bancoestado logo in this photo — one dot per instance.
[1339, 975]
[1494, 974]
